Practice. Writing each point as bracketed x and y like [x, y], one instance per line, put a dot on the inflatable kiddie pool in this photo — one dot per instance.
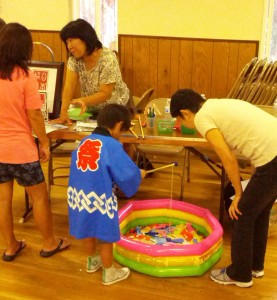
[169, 259]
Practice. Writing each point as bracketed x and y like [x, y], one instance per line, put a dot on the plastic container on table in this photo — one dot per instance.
[165, 126]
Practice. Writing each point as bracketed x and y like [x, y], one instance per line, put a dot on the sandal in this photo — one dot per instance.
[44, 253]
[7, 257]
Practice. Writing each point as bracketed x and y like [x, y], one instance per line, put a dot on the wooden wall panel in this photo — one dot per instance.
[140, 65]
[167, 64]
[246, 50]
[174, 74]
[164, 67]
[153, 66]
[121, 45]
[202, 67]
[126, 61]
[233, 68]
[185, 64]
[208, 66]
[59, 49]
[220, 69]
[53, 40]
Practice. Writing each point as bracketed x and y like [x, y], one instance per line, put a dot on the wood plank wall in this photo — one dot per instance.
[53, 40]
[167, 64]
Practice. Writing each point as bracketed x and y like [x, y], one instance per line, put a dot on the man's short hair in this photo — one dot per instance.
[185, 99]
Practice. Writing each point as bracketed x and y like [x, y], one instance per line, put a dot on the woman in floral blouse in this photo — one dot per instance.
[96, 69]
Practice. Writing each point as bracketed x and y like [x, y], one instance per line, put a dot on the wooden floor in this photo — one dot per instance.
[64, 277]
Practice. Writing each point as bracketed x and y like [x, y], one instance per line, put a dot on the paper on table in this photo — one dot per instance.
[85, 126]
[53, 127]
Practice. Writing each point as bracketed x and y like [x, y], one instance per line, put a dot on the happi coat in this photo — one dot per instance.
[97, 164]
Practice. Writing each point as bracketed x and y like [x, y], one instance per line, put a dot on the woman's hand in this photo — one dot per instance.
[63, 119]
[81, 103]
[233, 209]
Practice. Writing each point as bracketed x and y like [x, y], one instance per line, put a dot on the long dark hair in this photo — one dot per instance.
[84, 31]
[16, 47]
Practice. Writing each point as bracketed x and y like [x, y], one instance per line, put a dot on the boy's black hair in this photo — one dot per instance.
[112, 114]
[185, 99]
[16, 47]
[84, 31]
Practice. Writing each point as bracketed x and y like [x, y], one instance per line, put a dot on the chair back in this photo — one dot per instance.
[257, 83]
[158, 105]
[144, 100]
[251, 79]
[238, 85]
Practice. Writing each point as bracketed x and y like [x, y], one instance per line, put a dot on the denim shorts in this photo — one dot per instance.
[25, 174]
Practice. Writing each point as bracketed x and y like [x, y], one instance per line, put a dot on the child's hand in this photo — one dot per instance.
[44, 153]
[143, 173]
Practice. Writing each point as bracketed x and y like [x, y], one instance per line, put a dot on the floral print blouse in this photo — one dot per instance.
[106, 71]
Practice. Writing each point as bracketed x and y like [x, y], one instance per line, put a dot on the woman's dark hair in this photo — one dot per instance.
[16, 47]
[112, 114]
[185, 99]
[81, 29]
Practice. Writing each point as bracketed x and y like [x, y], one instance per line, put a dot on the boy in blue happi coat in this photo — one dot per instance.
[97, 164]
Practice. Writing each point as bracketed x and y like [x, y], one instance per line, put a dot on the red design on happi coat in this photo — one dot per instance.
[88, 155]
